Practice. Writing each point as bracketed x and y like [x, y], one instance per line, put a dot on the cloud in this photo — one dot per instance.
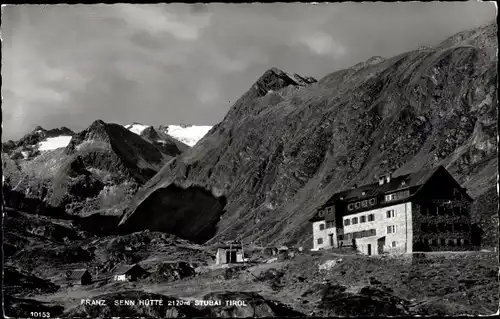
[68, 65]
[181, 26]
[322, 44]
[207, 93]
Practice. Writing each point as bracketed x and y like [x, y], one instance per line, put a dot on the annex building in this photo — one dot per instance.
[422, 211]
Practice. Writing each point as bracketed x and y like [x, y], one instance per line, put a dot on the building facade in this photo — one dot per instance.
[422, 211]
[78, 277]
[129, 273]
[229, 254]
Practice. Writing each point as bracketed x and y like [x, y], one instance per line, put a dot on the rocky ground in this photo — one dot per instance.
[327, 283]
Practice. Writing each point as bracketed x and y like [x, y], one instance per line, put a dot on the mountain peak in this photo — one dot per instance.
[98, 123]
[275, 79]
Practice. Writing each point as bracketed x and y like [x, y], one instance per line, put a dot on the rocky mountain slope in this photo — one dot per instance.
[36, 142]
[286, 145]
[93, 170]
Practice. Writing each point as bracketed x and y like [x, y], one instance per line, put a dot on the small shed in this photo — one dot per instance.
[129, 273]
[78, 277]
[271, 251]
[229, 254]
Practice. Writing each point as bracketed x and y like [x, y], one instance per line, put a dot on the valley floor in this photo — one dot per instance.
[446, 284]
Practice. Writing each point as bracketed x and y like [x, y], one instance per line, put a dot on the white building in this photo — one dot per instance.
[422, 211]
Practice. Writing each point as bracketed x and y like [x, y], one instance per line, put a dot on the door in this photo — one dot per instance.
[228, 257]
[331, 240]
[369, 247]
[380, 245]
[233, 256]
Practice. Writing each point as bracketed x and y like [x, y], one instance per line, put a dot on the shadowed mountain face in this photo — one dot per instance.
[191, 213]
[287, 145]
[100, 168]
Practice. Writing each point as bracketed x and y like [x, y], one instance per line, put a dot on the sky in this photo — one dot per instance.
[68, 65]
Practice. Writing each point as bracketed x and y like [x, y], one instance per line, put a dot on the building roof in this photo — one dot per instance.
[76, 274]
[123, 269]
[396, 183]
[413, 181]
[229, 247]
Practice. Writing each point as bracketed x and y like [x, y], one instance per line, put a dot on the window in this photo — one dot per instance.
[433, 228]
[373, 232]
[362, 219]
[462, 241]
[330, 224]
[371, 201]
[391, 229]
[371, 217]
[357, 205]
[466, 242]
[424, 227]
[391, 213]
[393, 244]
[320, 241]
[347, 222]
[433, 242]
[387, 198]
[443, 241]
[321, 226]
[439, 210]
[441, 227]
[364, 203]
[451, 242]
[423, 210]
[350, 206]
[355, 220]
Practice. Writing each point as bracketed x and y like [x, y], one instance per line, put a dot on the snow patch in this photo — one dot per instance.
[53, 143]
[136, 128]
[189, 135]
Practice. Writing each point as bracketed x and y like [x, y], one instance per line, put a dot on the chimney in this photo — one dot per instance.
[381, 180]
[387, 178]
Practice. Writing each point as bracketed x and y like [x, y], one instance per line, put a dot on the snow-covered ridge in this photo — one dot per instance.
[189, 135]
[136, 128]
[53, 143]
